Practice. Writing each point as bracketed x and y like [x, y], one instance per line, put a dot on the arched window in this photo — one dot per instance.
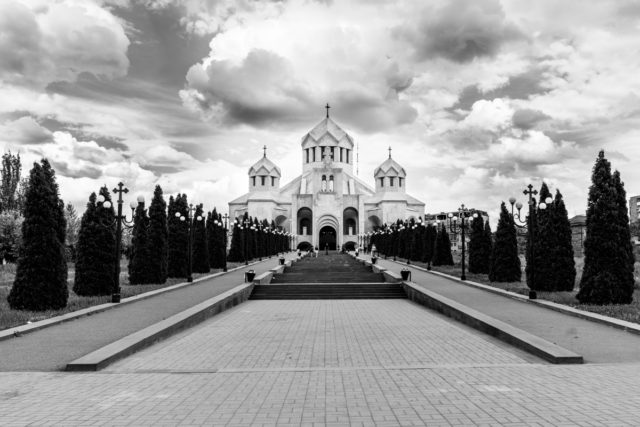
[262, 177]
[399, 182]
[324, 183]
[331, 183]
[381, 182]
[273, 181]
[253, 181]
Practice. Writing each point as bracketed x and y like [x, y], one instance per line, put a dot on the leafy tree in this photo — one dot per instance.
[10, 235]
[95, 250]
[607, 276]
[178, 236]
[442, 254]
[200, 250]
[11, 168]
[158, 238]
[505, 264]
[139, 263]
[41, 274]
[73, 228]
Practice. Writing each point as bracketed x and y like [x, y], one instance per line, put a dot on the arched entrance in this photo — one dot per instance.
[327, 238]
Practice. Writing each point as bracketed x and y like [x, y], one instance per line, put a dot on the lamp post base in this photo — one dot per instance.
[463, 277]
[224, 269]
[115, 298]
[189, 279]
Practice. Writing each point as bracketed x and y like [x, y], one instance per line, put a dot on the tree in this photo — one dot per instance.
[505, 263]
[562, 260]
[430, 234]
[158, 238]
[236, 251]
[139, 263]
[41, 274]
[442, 254]
[487, 247]
[544, 241]
[607, 276]
[95, 250]
[73, 228]
[199, 235]
[10, 235]
[11, 168]
[178, 236]
[478, 255]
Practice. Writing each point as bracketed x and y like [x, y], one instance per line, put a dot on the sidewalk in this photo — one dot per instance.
[596, 342]
[52, 348]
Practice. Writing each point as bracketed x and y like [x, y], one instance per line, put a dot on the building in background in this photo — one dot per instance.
[634, 208]
[327, 206]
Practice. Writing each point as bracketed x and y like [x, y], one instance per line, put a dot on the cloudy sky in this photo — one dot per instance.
[476, 98]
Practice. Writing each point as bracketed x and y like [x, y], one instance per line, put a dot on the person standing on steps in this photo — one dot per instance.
[374, 251]
[316, 251]
[326, 249]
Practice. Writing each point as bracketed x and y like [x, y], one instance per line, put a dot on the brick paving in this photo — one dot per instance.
[336, 363]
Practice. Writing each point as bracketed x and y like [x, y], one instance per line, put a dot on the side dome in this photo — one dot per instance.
[390, 176]
[264, 175]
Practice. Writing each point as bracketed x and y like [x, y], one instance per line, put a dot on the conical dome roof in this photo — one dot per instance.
[390, 165]
[328, 128]
[264, 166]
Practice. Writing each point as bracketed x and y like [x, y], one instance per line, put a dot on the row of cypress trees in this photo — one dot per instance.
[252, 238]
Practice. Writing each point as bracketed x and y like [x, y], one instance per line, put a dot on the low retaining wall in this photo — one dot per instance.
[104, 356]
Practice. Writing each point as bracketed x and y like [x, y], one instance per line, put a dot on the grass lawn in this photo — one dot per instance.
[10, 318]
[628, 312]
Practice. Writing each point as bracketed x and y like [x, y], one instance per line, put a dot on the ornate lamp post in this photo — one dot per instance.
[224, 242]
[189, 220]
[454, 227]
[528, 224]
[245, 229]
[120, 221]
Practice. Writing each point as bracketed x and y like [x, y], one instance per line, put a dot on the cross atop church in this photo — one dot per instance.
[327, 107]
[265, 151]
[389, 151]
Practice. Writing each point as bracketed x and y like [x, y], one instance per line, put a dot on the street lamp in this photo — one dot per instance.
[189, 221]
[224, 242]
[528, 224]
[246, 223]
[454, 227]
[120, 220]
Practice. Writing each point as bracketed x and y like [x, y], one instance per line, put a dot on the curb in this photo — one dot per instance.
[146, 337]
[630, 327]
[17, 331]
[501, 330]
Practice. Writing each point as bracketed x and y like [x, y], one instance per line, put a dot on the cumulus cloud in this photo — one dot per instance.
[527, 118]
[461, 31]
[25, 130]
[42, 43]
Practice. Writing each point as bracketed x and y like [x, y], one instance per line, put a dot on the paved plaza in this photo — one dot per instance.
[332, 362]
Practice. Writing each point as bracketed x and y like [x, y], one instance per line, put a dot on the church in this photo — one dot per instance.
[327, 206]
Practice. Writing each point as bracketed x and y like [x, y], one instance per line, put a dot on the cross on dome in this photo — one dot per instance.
[389, 151]
[327, 107]
[265, 151]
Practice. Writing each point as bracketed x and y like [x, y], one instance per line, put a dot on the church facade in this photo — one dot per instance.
[327, 206]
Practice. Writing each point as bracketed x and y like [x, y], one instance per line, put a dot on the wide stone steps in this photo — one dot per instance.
[328, 291]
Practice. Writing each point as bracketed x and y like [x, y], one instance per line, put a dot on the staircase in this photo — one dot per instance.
[333, 276]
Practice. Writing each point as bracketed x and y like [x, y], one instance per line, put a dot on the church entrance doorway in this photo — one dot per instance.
[327, 238]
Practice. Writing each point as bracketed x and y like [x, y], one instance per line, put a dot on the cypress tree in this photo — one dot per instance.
[199, 235]
[41, 274]
[505, 264]
[139, 265]
[158, 235]
[476, 246]
[442, 254]
[212, 236]
[236, 253]
[430, 234]
[178, 237]
[564, 267]
[95, 256]
[487, 247]
[274, 239]
[607, 276]
[544, 243]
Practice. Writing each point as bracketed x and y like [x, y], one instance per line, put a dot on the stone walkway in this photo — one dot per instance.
[336, 363]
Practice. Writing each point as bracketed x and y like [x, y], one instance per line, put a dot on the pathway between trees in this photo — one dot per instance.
[52, 348]
[596, 342]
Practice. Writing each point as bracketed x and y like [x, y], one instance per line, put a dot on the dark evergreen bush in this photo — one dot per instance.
[158, 235]
[564, 266]
[139, 263]
[505, 264]
[95, 256]
[430, 234]
[236, 251]
[476, 246]
[41, 273]
[178, 236]
[200, 250]
[442, 254]
[607, 276]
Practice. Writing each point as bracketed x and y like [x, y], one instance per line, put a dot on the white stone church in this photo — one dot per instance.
[327, 205]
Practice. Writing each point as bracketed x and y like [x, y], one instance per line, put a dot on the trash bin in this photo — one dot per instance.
[249, 275]
[281, 261]
[406, 274]
[373, 260]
